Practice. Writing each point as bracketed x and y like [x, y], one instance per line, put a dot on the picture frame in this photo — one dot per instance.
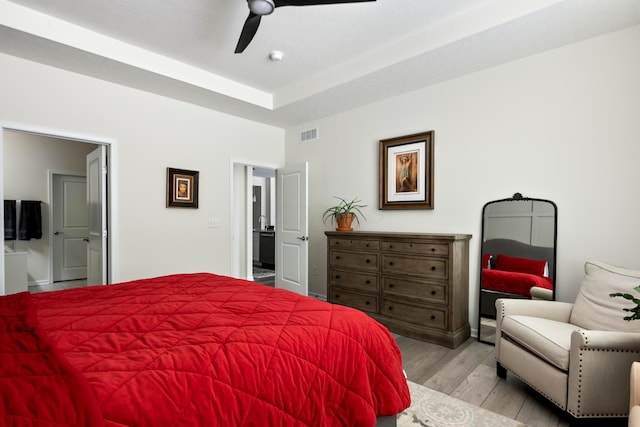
[406, 172]
[182, 188]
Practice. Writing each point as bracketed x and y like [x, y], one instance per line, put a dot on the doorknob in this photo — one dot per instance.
[57, 233]
[303, 238]
[86, 239]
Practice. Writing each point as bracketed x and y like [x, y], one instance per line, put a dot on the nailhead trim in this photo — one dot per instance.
[582, 352]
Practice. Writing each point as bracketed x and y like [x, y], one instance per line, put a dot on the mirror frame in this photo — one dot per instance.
[517, 197]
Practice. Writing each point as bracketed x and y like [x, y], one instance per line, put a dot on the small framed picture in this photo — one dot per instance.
[406, 172]
[182, 188]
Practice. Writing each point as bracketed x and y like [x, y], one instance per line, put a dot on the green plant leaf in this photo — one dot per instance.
[635, 310]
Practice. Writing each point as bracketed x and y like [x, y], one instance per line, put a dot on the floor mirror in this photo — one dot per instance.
[517, 256]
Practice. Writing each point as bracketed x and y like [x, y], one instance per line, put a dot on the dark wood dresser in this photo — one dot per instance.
[415, 284]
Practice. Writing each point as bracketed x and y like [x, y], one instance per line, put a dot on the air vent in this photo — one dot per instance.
[309, 135]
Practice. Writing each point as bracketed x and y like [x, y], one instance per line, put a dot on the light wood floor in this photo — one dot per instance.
[469, 373]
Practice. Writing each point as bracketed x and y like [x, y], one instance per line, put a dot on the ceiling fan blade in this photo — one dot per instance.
[279, 3]
[248, 31]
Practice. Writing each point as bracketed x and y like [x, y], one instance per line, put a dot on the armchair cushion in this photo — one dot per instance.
[594, 309]
[548, 339]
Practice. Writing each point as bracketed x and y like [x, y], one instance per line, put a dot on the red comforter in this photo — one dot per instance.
[198, 349]
[512, 282]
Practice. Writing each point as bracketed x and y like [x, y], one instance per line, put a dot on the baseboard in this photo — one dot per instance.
[321, 297]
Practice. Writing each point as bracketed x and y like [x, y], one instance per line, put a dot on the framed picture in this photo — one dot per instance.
[406, 172]
[182, 188]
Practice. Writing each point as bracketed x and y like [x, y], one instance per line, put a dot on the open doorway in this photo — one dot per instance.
[263, 214]
[253, 212]
[32, 161]
[289, 211]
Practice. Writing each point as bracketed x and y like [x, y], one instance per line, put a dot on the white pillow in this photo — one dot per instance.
[595, 309]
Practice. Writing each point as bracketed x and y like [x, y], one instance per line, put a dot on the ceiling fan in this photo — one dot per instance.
[258, 8]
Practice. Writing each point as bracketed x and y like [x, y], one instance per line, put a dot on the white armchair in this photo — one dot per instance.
[577, 355]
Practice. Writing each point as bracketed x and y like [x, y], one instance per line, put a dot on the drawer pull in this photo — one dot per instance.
[390, 262]
[433, 292]
[368, 282]
[337, 256]
[337, 276]
[390, 246]
[367, 302]
[433, 317]
[367, 245]
[390, 307]
[391, 285]
[433, 268]
[368, 261]
[337, 295]
[433, 249]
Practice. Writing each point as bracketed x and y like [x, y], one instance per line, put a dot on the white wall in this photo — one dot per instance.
[27, 160]
[148, 133]
[562, 125]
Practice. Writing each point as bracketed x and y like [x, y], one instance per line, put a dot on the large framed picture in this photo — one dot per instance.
[182, 188]
[406, 172]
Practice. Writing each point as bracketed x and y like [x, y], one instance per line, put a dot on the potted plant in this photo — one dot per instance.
[344, 213]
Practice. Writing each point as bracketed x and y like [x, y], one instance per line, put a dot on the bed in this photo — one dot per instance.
[512, 269]
[193, 349]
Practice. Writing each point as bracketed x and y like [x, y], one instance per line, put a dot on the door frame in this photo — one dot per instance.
[240, 220]
[112, 198]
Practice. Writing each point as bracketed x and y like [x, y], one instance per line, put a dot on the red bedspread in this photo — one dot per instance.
[38, 387]
[201, 349]
[512, 282]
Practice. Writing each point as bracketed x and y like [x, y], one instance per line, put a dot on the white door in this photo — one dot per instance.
[97, 217]
[69, 219]
[292, 229]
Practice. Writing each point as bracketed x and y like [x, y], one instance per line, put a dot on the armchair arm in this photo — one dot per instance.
[599, 367]
[634, 395]
[634, 383]
[541, 293]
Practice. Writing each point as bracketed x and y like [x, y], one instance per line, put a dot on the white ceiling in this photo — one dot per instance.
[336, 57]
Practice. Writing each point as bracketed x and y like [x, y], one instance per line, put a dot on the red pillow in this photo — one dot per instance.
[520, 265]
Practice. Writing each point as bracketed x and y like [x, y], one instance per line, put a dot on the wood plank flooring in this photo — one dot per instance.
[469, 373]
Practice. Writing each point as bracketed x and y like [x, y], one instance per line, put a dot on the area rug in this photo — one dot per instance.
[430, 408]
[261, 273]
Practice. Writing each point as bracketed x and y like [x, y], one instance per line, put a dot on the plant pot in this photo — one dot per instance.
[344, 222]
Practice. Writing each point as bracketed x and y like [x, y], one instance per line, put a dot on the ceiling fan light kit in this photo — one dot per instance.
[276, 55]
[259, 8]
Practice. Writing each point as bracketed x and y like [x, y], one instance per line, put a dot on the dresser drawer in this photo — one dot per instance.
[354, 280]
[373, 245]
[433, 249]
[357, 260]
[363, 302]
[429, 291]
[432, 267]
[417, 314]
